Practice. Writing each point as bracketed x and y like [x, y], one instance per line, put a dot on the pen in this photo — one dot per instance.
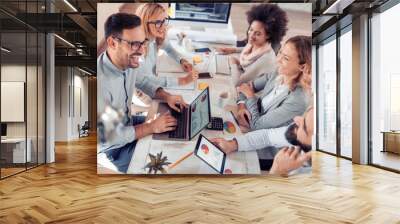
[180, 160]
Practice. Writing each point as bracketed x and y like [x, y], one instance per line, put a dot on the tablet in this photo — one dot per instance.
[210, 154]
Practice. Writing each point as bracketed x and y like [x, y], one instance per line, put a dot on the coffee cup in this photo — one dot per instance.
[223, 99]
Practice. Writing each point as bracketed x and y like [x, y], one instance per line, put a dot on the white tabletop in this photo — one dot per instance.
[237, 162]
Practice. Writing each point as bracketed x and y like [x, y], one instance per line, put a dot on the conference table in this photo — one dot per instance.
[236, 163]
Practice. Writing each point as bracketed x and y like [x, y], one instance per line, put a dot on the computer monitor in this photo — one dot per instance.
[3, 130]
[216, 15]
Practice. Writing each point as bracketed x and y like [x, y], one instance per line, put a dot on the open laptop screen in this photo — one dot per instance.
[200, 113]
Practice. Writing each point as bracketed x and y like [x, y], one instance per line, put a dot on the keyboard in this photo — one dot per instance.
[180, 130]
[216, 123]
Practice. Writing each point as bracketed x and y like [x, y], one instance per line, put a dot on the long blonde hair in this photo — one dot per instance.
[303, 48]
[147, 10]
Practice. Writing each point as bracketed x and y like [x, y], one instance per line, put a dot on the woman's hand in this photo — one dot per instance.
[186, 66]
[226, 50]
[190, 77]
[246, 89]
[244, 116]
[234, 60]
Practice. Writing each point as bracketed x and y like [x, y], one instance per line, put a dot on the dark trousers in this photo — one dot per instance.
[266, 164]
[121, 157]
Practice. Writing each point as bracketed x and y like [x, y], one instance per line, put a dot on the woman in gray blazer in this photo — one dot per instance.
[280, 96]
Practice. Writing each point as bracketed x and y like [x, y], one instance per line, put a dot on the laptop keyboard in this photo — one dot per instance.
[216, 124]
[180, 130]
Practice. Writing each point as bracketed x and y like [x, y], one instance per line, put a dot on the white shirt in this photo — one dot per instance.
[278, 89]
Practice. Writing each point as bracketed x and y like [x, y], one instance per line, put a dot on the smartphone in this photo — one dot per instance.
[202, 50]
[204, 75]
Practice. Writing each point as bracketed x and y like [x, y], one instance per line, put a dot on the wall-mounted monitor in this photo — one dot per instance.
[214, 14]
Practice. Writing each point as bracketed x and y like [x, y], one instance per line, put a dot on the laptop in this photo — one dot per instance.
[190, 121]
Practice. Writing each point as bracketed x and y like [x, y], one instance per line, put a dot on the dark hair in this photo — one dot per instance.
[117, 22]
[274, 19]
[291, 137]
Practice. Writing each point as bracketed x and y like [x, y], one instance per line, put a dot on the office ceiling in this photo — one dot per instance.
[75, 21]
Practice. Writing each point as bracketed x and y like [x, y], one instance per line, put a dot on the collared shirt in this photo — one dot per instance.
[148, 66]
[267, 141]
[115, 88]
[269, 98]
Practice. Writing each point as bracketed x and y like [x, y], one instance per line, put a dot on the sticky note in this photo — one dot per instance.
[197, 59]
[202, 85]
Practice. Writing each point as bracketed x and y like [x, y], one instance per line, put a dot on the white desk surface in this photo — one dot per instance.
[238, 162]
[13, 140]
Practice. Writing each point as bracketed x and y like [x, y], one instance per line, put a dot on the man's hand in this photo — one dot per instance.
[163, 123]
[244, 116]
[186, 66]
[287, 160]
[225, 145]
[176, 102]
[246, 89]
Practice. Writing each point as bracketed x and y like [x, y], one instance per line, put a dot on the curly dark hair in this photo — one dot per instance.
[274, 19]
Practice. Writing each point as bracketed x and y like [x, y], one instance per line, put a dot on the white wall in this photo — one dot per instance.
[68, 80]
[103, 11]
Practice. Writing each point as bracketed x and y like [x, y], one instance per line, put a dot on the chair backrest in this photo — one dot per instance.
[86, 125]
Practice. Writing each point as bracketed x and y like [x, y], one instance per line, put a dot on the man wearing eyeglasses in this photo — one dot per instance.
[271, 141]
[117, 79]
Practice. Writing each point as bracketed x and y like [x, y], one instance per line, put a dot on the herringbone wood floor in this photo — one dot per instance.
[70, 191]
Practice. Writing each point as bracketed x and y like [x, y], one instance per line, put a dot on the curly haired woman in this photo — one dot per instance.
[267, 27]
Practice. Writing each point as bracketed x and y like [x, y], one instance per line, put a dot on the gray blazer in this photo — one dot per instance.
[283, 108]
[265, 64]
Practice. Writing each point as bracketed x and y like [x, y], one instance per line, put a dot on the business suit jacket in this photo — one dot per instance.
[283, 108]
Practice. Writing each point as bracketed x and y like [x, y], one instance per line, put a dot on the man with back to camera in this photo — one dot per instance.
[272, 141]
[117, 80]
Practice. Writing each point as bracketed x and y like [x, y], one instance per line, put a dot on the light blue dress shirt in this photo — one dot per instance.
[115, 88]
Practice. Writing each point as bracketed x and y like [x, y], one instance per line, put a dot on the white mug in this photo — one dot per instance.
[187, 44]
[223, 99]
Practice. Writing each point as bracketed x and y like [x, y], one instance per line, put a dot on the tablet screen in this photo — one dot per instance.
[210, 154]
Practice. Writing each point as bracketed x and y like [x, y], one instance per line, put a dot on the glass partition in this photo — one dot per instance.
[327, 95]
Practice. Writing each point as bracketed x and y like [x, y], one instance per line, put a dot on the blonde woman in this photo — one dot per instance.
[282, 95]
[155, 24]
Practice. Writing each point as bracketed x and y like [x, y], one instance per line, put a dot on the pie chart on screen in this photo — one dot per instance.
[229, 127]
[205, 149]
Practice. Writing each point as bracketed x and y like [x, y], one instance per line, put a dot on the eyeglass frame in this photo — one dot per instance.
[165, 22]
[133, 43]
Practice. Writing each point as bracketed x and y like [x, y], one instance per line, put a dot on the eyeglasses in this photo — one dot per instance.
[135, 45]
[159, 23]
